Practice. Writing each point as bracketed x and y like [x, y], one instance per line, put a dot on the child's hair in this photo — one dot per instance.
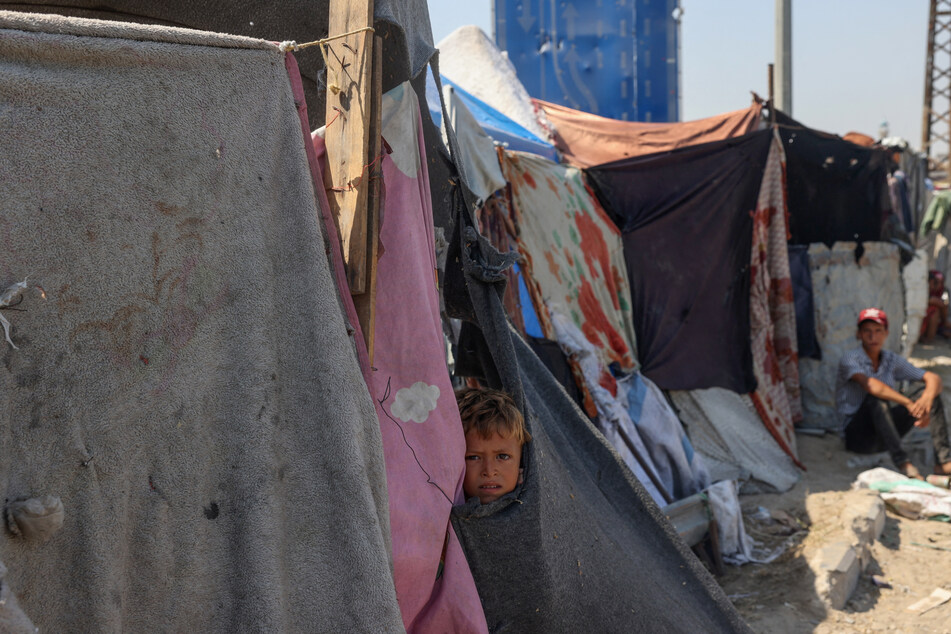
[487, 411]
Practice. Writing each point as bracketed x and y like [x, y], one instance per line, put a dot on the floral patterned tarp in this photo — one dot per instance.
[574, 260]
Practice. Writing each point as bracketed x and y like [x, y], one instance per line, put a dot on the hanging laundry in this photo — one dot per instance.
[773, 309]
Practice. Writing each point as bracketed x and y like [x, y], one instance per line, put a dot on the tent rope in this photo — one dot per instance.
[291, 45]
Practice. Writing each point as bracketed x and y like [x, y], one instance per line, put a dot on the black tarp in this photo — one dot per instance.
[687, 224]
[580, 545]
[835, 190]
[805, 304]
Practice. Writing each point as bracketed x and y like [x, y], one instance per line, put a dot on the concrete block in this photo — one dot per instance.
[837, 568]
[865, 517]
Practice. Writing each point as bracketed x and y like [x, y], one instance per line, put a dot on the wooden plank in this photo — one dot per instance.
[365, 303]
[349, 65]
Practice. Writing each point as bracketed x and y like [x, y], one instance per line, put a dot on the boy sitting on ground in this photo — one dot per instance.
[874, 414]
[495, 432]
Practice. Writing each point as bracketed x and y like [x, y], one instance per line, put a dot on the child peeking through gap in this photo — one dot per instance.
[495, 432]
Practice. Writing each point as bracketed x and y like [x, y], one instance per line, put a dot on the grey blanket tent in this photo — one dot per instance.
[403, 26]
[580, 546]
[188, 387]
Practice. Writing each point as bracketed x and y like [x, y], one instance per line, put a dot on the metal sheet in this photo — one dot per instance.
[615, 58]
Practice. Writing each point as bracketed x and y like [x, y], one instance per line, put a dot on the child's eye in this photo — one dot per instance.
[504, 456]
[471, 457]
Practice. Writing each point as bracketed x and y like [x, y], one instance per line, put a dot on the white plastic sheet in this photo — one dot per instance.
[725, 429]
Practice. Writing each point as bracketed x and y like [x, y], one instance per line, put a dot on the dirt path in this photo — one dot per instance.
[780, 597]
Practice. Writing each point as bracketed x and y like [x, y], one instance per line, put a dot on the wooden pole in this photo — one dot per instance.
[365, 302]
[772, 97]
[349, 62]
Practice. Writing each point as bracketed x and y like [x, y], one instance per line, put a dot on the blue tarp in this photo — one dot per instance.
[496, 125]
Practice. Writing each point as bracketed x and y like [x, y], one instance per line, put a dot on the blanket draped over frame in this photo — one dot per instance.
[188, 387]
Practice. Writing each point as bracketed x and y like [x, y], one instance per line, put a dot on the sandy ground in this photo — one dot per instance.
[780, 597]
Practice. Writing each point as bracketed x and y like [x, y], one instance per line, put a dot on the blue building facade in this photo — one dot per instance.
[614, 58]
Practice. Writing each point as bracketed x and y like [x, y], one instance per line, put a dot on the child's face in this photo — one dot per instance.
[491, 466]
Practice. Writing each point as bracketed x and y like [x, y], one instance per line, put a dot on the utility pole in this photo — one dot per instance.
[936, 114]
[784, 55]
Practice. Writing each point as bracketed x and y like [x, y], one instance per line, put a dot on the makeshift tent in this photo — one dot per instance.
[580, 525]
[836, 190]
[712, 259]
[544, 546]
[688, 253]
[469, 58]
[844, 281]
[575, 272]
[188, 388]
[403, 26]
[587, 139]
[423, 442]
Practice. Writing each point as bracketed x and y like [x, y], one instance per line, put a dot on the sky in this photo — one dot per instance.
[856, 63]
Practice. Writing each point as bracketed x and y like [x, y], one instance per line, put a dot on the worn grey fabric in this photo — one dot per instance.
[403, 25]
[188, 387]
[580, 546]
[583, 548]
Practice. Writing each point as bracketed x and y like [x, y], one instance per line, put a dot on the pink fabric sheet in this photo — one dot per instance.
[423, 443]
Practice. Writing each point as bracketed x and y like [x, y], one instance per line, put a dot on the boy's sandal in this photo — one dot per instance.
[910, 471]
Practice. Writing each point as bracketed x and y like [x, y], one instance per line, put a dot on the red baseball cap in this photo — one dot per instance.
[874, 314]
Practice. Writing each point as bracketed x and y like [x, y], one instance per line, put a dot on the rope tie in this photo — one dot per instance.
[291, 45]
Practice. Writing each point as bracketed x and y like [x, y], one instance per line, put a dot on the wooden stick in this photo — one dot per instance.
[349, 91]
[365, 303]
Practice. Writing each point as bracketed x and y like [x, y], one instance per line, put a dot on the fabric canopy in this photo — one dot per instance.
[573, 254]
[836, 190]
[687, 220]
[580, 525]
[587, 139]
[188, 388]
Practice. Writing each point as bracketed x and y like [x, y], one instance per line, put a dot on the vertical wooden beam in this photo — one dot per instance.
[772, 98]
[365, 303]
[349, 63]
